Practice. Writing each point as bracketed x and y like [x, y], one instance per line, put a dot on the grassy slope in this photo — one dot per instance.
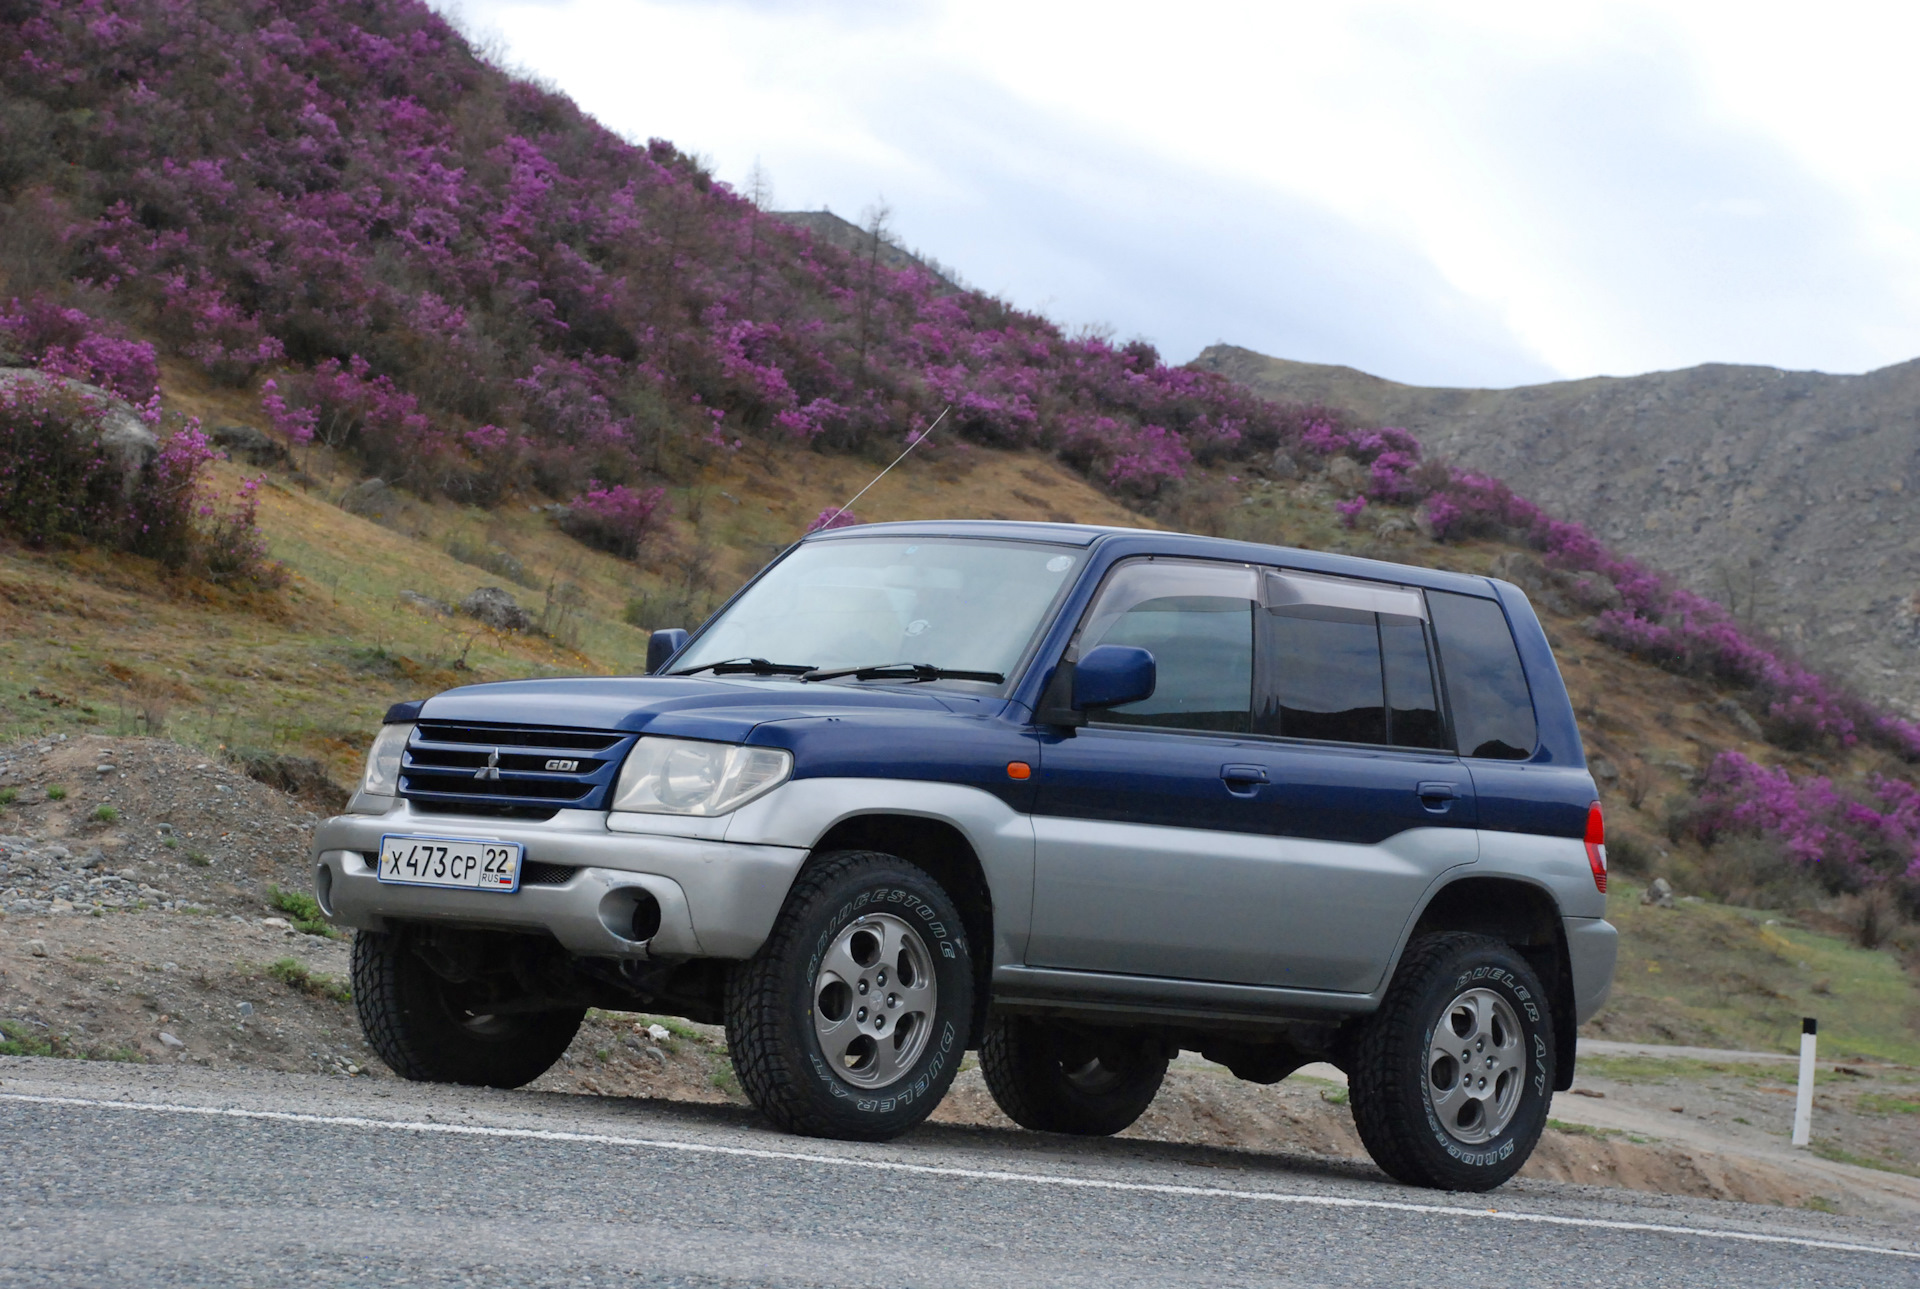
[91, 641]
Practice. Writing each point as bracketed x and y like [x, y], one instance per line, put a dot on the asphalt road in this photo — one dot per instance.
[129, 1175]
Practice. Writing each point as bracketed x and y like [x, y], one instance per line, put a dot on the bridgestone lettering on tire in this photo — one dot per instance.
[432, 1030]
[1052, 1077]
[851, 1020]
[1452, 1077]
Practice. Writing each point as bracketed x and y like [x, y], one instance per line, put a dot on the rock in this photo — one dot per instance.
[655, 1055]
[497, 609]
[1282, 465]
[280, 923]
[1603, 769]
[1740, 716]
[1659, 894]
[256, 447]
[122, 435]
[169, 1040]
[425, 603]
[1349, 475]
[246, 1010]
[38, 948]
[658, 1033]
[373, 499]
[105, 767]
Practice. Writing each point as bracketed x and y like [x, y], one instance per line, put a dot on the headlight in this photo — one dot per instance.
[676, 776]
[382, 778]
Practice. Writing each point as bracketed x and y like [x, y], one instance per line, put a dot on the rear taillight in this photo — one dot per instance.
[1597, 846]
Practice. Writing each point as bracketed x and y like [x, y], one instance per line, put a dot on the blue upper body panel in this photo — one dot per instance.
[967, 732]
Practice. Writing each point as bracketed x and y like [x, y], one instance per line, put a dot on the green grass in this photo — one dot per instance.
[723, 1077]
[20, 1039]
[1334, 1096]
[297, 975]
[104, 814]
[1886, 1103]
[198, 858]
[1717, 976]
[56, 793]
[673, 1026]
[303, 911]
[1841, 1155]
[1821, 1204]
[8, 796]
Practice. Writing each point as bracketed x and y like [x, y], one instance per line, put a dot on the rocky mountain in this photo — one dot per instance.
[1791, 497]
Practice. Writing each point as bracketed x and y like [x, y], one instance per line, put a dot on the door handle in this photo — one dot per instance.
[1437, 797]
[1243, 780]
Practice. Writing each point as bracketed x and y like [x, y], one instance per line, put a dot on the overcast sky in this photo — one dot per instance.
[1462, 193]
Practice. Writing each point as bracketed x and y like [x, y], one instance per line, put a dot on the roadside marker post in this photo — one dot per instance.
[1803, 1104]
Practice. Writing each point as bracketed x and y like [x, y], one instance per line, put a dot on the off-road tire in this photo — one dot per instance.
[1052, 1079]
[777, 1053]
[1390, 1065]
[415, 1022]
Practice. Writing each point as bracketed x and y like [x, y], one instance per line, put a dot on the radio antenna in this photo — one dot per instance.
[918, 439]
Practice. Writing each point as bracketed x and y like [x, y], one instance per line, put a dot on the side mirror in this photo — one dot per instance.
[1113, 674]
[661, 646]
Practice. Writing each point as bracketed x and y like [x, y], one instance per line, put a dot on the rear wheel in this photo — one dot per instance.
[1052, 1077]
[1452, 1077]
[851, 1020]
[432, 1029]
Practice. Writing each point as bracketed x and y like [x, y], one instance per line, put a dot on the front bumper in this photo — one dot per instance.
[717, 899]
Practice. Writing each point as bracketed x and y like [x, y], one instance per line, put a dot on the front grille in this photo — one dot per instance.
[540, 873]
[503, 770]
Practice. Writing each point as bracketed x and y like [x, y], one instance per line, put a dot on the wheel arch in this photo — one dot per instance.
[944, 852]
[1527, 917]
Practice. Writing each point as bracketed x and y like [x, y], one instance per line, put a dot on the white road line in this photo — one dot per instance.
[971, 1174]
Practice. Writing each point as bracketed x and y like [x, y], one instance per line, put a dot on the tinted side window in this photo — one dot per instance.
[1323, 667]
[1492, 707]
[1413, 706]
[1197, 622]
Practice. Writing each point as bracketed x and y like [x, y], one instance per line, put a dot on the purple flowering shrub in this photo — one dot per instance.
[617, 518]
[61, 478]
[833, 517]
[71, 343]
[1849, 840]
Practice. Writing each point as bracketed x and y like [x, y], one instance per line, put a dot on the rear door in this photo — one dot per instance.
[1368, 802]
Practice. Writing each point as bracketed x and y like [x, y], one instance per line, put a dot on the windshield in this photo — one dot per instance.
[859, 602]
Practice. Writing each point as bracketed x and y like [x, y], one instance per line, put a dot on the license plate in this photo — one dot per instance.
[458, 862]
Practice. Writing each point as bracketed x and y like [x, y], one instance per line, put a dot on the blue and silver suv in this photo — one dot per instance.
[1077, 797]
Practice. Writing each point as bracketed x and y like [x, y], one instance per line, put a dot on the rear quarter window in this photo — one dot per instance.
[1486, 686]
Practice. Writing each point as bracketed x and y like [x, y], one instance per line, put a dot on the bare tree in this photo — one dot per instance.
[759, 192]
[874, 221]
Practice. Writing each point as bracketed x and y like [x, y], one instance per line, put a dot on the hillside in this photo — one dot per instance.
[1792, 497]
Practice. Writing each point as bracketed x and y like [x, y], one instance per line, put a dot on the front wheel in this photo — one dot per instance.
[1452, 1077]
[851, 1020]
[1053, 1077]
[433, 1029]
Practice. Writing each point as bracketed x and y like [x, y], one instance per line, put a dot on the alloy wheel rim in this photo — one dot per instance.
[874, 1000]
[1476, 1066]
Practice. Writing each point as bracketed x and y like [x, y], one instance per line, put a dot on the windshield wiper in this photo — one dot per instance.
[915, 671]
[750, 667]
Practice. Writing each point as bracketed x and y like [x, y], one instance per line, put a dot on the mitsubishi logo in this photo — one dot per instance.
[491, 770]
